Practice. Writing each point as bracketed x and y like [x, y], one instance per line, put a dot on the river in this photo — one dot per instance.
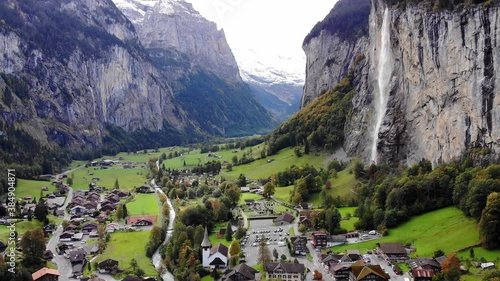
[156, 259]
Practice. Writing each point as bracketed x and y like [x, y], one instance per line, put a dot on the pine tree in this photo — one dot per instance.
[229, 232]
[117, 184]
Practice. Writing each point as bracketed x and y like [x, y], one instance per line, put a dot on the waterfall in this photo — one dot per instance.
[384, 70]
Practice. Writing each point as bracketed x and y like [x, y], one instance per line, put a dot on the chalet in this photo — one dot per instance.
[77, 255]
[341, 272]
[368, 272]
[422, 274]
[283, 219]
[319, 239]
[112, 227]
[425, 263]
[71, 227]
[143, 222]
[90, 205]
[77, 237]
[393, 251]
[285, 271]
[93, 196]
[78, 268]
[101, 218]
[107, 208]
[78, 210]
[241, 272]
[334, 240]
[108, 266]
[66, 236]
[113, 198]
[89, 227]
[299, 245]
[46, 274]
[93, 234]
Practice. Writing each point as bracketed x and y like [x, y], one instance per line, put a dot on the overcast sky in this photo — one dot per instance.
[270, 28]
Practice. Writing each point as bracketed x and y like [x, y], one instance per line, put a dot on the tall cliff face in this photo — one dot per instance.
[198, 63]
[175, 25]
[333, 45]
[442, 90]
[69, 68]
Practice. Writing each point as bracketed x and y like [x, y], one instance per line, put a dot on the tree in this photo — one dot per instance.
[33, 246]
[438, 253]
[264, 255]
[450, 268]
[242, 180]
[233, 193]
[492, 275]
[269, 190]
[275, 254]
[40, 211]
[119, 212]
[165, 210]
[235, 160]
[240, 232]
[489, 225]
[234, 249]
[306, 146]
[69, 181]
[117, 184]
[229, 232]
[125, 211]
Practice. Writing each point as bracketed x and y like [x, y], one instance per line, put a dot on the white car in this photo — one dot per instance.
[373, 232]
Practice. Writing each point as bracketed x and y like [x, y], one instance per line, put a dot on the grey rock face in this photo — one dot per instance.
[176, 25]
[70, 99]
[443, 95]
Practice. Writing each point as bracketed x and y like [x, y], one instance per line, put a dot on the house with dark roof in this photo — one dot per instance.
[46, 274]
[90, 227]
[66, 236]
[285, 218]
[108, 266]
[216, 256]
[241, 272]
[77, 255]
[425, 263]
[285, 271]
[299, 247]
[78, 210]
[143, 222]
[393, 251]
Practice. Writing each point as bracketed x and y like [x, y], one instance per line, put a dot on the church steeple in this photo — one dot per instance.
[206, 242]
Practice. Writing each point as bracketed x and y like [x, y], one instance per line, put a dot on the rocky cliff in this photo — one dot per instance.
[199, 64]
[69, 68]
[176, 25]
[441, 90]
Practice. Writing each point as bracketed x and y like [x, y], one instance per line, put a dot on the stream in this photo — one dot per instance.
[156, 259]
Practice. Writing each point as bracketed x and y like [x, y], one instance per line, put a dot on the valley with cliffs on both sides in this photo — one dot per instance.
[135, 144]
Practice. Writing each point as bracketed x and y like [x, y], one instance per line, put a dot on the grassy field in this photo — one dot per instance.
[284, 159]
[123, 246]
[479, 253]
[245, 196]
[283, 193]
[446, 229]
[21, 228]
[127, 178]
[143, 204]
[33, 188]
[342, 186]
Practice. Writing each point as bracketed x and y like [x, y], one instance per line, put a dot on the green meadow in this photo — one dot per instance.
[33, 188]
[123, 246]
[446, 229]
[127, 178]
[143, 205]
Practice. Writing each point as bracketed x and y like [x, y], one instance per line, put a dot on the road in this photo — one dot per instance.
[63, 264]
[315, 264]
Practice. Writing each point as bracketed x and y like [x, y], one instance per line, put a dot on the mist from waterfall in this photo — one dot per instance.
[384, 70]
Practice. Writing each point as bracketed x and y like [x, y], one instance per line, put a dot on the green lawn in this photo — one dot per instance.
[480, 253]
[245, 196]
[21, 228]
[143, 204]
[123, 246]
[349, 224]
[446, 229]
[283, 193]
[127, 178]
[33, 188]
[347, 210]
[284, 159]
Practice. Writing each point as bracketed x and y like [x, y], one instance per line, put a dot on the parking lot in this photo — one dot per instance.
[273, 236]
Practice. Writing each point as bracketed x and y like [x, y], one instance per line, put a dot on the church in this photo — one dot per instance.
[216, 256]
